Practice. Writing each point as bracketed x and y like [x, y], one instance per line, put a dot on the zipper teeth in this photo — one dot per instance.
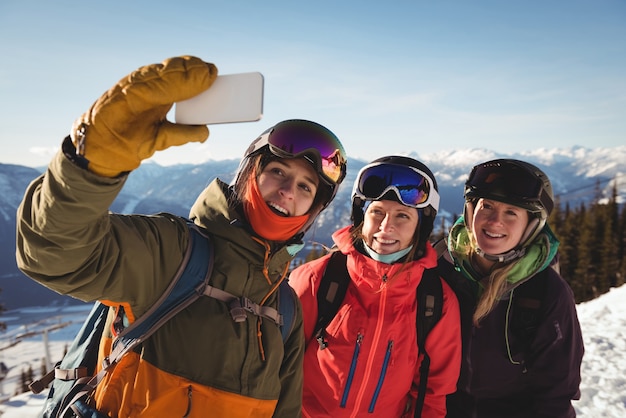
[381, 378]
[506, 330]
[189, 396]
[360, 401]
[355, 356]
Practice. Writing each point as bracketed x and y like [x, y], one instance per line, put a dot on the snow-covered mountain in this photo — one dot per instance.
[578, 175]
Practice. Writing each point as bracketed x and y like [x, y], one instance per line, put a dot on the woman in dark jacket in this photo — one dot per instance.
[522, 343]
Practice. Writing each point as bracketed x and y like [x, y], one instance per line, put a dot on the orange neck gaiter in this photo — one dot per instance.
[264, 221]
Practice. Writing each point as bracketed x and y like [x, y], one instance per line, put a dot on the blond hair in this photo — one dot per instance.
[494, 285]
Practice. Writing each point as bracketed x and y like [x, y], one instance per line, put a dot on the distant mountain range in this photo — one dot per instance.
[578, 175]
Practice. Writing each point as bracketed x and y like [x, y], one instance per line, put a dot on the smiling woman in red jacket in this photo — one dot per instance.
[370, 365]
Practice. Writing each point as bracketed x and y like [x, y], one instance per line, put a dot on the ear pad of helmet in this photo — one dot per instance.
[531, 229]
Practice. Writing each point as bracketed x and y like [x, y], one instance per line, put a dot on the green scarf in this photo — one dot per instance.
[539, 254]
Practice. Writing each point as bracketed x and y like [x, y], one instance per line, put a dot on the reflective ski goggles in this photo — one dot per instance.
[413, 187]
[508, 182]
[301, 138]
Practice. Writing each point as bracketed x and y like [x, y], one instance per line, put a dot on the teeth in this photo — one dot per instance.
[386, 241]
[492, 235]
[278, 208]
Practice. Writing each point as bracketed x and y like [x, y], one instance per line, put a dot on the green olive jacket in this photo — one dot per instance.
[68, 241]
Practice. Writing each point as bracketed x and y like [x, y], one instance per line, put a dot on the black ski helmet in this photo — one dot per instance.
[517, 183]
[386, 187]
[296, 138]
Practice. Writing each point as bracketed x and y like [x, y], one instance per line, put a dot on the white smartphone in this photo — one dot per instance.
[231, 98]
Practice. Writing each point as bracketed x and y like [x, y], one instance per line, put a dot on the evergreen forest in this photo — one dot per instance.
[591, 254]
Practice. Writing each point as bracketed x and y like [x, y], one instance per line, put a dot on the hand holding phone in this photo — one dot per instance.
[231, 98]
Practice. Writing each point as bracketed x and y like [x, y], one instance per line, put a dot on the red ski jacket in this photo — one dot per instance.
[370, 367]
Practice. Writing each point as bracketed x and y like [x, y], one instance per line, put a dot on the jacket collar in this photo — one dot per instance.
[212, 211]
[374, 273]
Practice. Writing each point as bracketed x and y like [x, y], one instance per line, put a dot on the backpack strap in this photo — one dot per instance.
[240, 305]
[187, 286]
[332, 290]
[429, 309]
[430, 305]
[85, 347]
[441, 246]
[287, 306]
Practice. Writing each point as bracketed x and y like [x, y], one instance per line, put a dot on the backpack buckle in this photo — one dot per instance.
[238, 308]
[321, 340]
[106, 362]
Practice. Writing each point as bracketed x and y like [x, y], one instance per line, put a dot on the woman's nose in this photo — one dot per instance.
[386, 223]
[287, 188]
[494, 216]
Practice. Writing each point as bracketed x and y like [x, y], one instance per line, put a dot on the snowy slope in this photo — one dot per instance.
[603, 371]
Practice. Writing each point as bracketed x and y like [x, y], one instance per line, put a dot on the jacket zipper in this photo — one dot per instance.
[375, 341]
[355, 357]
[381, 378]
[189, 396]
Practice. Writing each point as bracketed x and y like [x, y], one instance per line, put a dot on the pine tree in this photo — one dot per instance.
[584, 282]
[621, 248]
[24, 382]
[555, 220]
[568, 236]
[441, 232]
[597, 220]
[315, 253]
[610, 253]
[30, 375]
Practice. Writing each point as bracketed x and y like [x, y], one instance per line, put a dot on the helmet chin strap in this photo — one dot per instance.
[502, 258]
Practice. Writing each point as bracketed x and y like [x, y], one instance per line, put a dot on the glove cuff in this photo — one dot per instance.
[70, 152]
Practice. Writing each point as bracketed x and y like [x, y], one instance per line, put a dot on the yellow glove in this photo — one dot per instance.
[128, 123]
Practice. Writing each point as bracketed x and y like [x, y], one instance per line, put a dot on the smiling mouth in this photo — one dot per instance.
[385, 241]
[493, 235]
[278, 209]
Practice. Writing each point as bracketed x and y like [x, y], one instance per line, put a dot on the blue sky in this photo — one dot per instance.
[387, 77]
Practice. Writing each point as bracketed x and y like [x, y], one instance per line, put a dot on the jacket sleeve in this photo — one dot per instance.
[556, 354]
[443, 345]
[302, 280]
[305, 280]
[68, 241]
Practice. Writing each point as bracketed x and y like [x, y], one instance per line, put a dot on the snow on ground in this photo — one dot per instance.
[603, 387]
[22, 345]
[603, 321]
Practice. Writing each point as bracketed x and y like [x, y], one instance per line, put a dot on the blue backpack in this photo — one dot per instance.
[74, 379]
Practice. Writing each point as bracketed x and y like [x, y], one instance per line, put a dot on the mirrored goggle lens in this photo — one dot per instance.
[506, 180]
[412, 187]
[304, 137]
